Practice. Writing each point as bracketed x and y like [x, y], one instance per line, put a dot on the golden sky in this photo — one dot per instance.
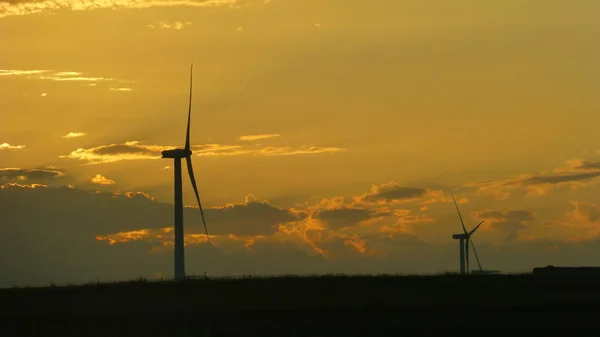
[328, 135]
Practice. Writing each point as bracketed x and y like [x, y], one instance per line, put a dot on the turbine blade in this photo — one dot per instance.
[187, 136]
[460, 216]
[476, 256]
[474, 229]
[188, 160]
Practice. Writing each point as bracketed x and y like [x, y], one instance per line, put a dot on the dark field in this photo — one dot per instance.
[481, 305]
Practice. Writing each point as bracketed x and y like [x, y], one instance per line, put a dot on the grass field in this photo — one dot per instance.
[309, 306]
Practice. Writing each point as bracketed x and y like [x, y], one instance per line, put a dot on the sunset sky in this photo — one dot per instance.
[328, 135]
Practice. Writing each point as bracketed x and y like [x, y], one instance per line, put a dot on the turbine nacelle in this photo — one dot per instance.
[459, 236]
[176, 153]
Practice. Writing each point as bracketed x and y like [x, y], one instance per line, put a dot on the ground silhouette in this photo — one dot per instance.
[331, 305]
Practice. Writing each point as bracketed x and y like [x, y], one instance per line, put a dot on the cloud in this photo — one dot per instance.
[14, 72]
[115, 152]
[18, 174]
[344, 217]
[510, 222]
[22, 186]
[57, 76]
[26, 7]
[101, 224]
[177, 25]
[101, 180]
[577, 174]
[129, 234]
[586, 211]
[121, 218]
[7, 146]
[134, 150]
[289, 151]
[394, 193]
[120, 89]
[341, 213]
[257, 137]
[74, 135]
[584, 219]
[250, 218]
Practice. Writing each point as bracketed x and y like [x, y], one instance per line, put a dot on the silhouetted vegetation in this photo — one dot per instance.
[330, 305]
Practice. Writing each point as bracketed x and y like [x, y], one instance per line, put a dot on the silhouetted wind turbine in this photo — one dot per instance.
[464, 246]
[177, 155]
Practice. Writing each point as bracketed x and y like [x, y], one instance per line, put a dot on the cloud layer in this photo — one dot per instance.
[18, 174]
[576, 174]
[258, 137]
[59, 76]
[135, 150]
[25, 7]
[381, 230]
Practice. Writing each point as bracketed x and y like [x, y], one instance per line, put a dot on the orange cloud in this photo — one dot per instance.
[7, 146]
[16, 185]
[101, 180]
[57, 76]
[511, 222]
[584, 219]
[121, 237]
[163, 238]
[74, 135]
[358, 244]
[262, 136]
[577, 174]
[132, 195]
[177, 25]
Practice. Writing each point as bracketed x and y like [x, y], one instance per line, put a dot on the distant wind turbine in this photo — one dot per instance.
[465, 239]
[177, 155]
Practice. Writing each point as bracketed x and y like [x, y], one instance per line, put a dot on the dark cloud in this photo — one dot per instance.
[343, 217]
[37, 175]
[49, 234]
[577, 173]
[393, 191]
[248, 219]
[587, 210]
[126, 149]
[97, 213]
[559, 178]
[589, 165]
[510, 221]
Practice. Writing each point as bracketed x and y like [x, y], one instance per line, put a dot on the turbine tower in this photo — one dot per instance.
[177, 155]
[464, 241]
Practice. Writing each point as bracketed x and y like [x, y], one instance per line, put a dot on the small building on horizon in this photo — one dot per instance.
[567, 271]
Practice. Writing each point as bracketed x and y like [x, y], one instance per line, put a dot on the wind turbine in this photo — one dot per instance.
[464, 241]
[177, 155]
